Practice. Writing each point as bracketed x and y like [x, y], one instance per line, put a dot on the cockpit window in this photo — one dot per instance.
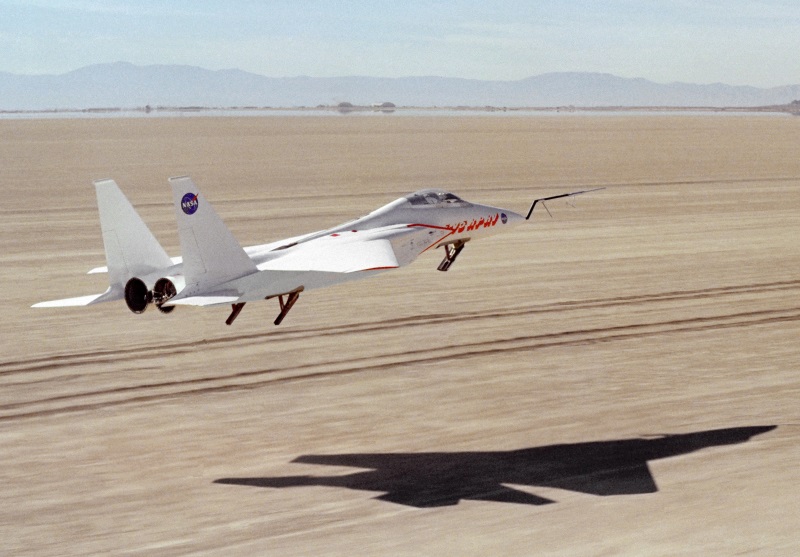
[433, 197]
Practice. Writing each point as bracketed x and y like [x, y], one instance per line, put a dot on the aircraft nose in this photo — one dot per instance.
[510, 218]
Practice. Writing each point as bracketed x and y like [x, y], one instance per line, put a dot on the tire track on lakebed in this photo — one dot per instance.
[157, 351]
[156, 391]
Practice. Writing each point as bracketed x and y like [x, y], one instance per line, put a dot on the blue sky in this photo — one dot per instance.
[737, 42]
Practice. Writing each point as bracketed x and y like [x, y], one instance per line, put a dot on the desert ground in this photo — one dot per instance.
[622, 378]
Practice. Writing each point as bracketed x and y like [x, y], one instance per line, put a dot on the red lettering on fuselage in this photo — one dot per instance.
[474, 224]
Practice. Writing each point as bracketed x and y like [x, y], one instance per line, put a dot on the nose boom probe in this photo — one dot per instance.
[543, 199]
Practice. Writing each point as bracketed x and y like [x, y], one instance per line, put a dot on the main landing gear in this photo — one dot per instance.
[451, 251]
[291, 298]
[286, 306]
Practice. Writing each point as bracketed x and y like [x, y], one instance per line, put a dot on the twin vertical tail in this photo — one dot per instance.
[141, 272]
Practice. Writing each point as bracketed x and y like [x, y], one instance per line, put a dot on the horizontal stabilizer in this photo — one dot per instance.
[205, 300]
[109, 295]
[101, 270]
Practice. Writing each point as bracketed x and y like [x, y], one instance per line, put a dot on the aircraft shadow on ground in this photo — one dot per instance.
[421, 480]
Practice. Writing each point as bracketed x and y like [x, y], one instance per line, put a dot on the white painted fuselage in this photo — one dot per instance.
[214, 269]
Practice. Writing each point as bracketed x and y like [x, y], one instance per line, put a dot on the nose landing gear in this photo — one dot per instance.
[451, 251]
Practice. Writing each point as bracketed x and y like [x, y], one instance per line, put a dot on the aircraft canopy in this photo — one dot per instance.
[431, 198]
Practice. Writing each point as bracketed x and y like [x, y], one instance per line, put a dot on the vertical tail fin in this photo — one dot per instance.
[211, 255]
[131, 249]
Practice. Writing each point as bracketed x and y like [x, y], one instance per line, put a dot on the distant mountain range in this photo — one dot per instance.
[129, 86]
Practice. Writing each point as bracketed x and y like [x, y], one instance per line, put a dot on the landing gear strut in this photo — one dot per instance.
[286, 306]
[451, 251]
[237, 309]
[291, 298]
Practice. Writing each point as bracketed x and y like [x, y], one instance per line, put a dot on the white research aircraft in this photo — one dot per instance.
[215, 270]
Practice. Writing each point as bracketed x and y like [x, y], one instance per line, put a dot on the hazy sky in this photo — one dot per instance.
[704, 41]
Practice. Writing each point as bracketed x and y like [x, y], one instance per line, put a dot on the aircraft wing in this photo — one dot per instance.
[382, 248]
[321, 262]
[333, 257]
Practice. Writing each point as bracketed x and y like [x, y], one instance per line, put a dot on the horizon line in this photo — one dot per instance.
[363, 76]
